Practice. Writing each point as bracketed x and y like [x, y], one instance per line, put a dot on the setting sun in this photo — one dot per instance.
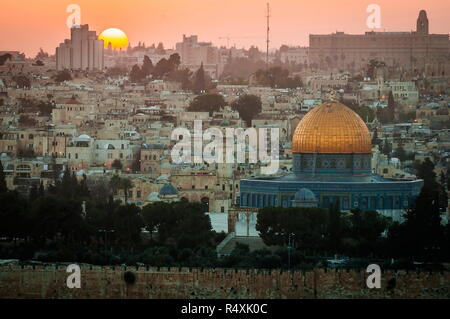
[116, 37]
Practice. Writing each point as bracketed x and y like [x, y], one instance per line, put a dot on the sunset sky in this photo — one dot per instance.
[28, 25]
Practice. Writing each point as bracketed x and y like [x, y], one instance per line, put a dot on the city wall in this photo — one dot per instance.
[108, 282]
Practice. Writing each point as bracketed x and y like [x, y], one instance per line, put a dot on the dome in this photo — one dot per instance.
[168, 189]
[305, 195]
[82, 138]
[332, 128]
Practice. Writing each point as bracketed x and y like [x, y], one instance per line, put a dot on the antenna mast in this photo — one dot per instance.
[268, 33]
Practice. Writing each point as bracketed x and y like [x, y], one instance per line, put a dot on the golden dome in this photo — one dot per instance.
[332, 128]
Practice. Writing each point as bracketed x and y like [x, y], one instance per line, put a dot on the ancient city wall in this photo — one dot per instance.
[108, 282]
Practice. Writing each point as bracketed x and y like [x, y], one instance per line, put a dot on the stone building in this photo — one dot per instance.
[332, 158]
[407, 50]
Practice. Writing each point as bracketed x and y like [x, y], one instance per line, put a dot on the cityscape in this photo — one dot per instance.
[204, 169]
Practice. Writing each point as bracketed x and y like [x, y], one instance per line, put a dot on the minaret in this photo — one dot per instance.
[422, 23]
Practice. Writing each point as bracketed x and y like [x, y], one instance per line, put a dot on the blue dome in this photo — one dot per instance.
[168, 189]
[305, 195]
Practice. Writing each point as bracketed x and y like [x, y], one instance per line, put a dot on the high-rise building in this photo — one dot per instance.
[84, 51]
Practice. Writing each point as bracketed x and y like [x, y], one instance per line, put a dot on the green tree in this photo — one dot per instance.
[127, 224]
[401, 154]
[147, 66]
[182, 223]
[136, 74]
[248, 106]
[13, 215]
[387, 148]
[207, 103]
[22, 81]
[3, 188]
[199, 83]
[309, 226]
[182, 76]
[117, 165]
[62, 76]
[421, 235]
[4, 58]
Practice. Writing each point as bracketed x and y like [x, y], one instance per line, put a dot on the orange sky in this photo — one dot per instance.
[30, 24]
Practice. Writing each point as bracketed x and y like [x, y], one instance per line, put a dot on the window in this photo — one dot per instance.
[76, 155]
[109, 155]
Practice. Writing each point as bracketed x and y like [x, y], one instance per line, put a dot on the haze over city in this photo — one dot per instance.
[235, 149]
[43, 23]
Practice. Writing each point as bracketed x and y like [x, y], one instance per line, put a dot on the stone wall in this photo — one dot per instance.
[108, 282]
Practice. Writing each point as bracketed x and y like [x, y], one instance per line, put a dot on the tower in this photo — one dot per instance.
[422, 23]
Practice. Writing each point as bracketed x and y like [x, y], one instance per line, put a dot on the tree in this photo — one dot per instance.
[128, 224]
[372, 67]
[425, 171]
[136, 74]
[116, 71]
[364, 112]
[375, 139]
[199, 84]
[309, 226]
[147, 66]
[117, 165]
[182, 76]
[118, 183]
[367, 228]
[422, 234]
[277, 77]
[182, 223]
[63, 76]
[387, 149]
[3, 188]
[39, 63]
[13, 215]
[4, 58]
[41, 55]
[401, 154]
[22, 81]
[207, 103]
[335, 227]
[164, 66]
[248, 106]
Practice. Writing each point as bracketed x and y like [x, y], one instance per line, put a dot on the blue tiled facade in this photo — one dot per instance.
[346, 178]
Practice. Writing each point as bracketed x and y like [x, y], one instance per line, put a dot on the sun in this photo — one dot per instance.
[116, 37]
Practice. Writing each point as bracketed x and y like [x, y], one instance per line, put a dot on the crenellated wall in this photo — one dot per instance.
[108, 282]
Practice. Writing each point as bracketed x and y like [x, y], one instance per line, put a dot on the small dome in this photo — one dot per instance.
[82, 138]
[168, 189]
[305, 195]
